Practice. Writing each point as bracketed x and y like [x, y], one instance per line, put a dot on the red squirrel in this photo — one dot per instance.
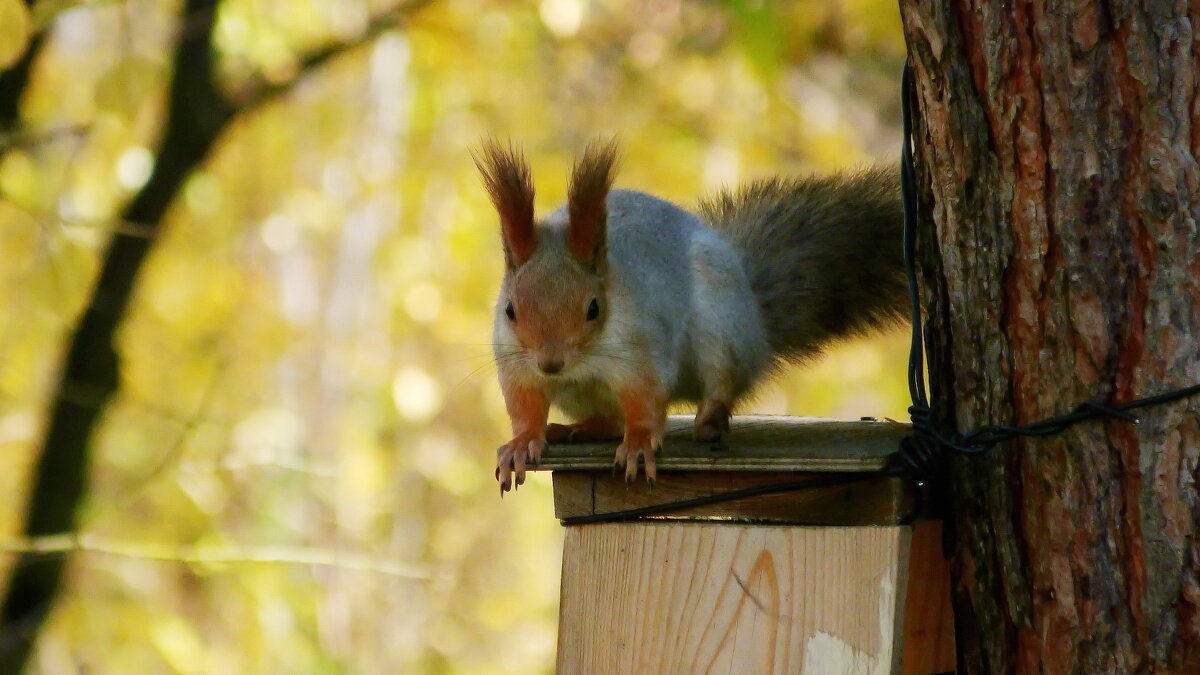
[620, 303]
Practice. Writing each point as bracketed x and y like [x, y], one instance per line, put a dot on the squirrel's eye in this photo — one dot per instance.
[593, 310]
[509, 312]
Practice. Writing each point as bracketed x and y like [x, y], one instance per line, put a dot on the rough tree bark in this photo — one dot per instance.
[1057, 151]
[198, 113]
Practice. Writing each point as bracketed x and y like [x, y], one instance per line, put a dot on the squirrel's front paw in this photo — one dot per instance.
[512, 457]
[638, 442]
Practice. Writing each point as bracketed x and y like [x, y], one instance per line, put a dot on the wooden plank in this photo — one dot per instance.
[928, 615]
[876, 501]
[756, 443]
[686, 597]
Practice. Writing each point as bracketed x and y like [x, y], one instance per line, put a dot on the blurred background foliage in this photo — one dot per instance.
[296, 475]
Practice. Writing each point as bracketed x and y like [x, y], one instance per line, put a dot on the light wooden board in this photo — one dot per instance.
[755, 443]
[874, 501]
[685, 597]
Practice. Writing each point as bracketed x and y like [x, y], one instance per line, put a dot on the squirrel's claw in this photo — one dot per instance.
[512, 458]
[640, 444]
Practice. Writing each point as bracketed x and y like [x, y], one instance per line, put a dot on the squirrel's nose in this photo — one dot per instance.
[550, 363]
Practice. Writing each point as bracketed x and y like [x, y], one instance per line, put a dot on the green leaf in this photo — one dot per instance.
[760, 33]
[126, 86]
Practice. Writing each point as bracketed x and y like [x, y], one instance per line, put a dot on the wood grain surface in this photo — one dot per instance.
[686, 597]
[873, 501]
[755, 443]
[928, 638]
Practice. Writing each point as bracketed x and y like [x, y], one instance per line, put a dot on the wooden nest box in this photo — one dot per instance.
[844, 578]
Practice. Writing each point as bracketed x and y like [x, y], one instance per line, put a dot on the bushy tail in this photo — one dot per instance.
[824, 254]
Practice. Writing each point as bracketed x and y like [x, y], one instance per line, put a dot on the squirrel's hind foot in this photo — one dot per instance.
[712, 421]
[590, 430]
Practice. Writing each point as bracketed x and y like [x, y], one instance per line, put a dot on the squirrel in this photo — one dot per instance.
[620, 303]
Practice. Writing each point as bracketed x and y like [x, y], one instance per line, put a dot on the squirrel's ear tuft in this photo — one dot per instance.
[590, 182]
[509, 183]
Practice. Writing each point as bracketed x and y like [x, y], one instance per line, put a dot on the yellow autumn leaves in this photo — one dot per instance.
[14, 31]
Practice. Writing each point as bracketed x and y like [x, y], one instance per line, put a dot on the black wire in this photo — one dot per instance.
[924, 454]
[921, 453]
[908, 192]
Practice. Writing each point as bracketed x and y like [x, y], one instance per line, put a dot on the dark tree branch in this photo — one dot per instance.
[29, 139]
[195, 115]
[262, 91]
[198, 112]
[14, 80]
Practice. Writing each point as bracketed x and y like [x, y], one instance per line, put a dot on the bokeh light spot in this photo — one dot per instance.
[423, 302]
[562, 17]
[134, 167]
[418, 396]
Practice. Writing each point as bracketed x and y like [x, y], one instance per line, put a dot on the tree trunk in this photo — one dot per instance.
[1057, 168]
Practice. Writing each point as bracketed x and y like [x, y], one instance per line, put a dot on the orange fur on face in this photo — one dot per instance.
[552, 285]
[550, 297]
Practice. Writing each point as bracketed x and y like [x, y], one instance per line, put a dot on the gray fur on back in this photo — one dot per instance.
[679, 291]
[824, 254]
[780, 269]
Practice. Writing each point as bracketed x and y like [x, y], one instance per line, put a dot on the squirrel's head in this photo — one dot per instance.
[552, 303]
